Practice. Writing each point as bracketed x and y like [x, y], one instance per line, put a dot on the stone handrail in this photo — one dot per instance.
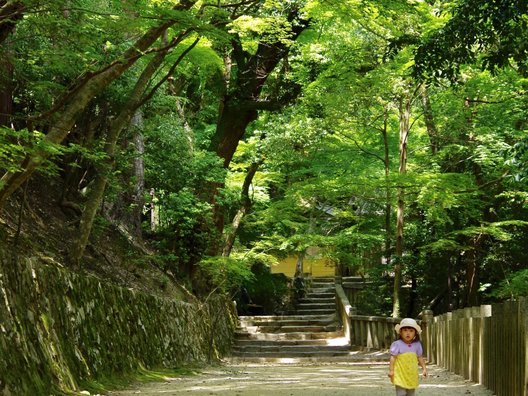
[364, 332]
[344, 310]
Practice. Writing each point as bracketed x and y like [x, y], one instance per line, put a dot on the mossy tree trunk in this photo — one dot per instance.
[6, 89]
[242, 101]
[405, 114]
[430, 124]
[388, 195]
[245, 206]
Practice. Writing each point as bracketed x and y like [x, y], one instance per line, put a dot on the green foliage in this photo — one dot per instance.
[263, 293]
[11, 154]
[225, 274]
[495, 29]
[376, 296]
[55, 44]
[518, 162]
[182, 230]
[16, 145]
[516, 285]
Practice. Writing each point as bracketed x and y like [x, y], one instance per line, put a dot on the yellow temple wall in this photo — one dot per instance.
[317, 267]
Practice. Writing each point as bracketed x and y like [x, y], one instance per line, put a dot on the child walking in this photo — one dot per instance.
[406, 353]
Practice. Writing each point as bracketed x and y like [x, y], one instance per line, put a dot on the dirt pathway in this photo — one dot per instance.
[335, 379]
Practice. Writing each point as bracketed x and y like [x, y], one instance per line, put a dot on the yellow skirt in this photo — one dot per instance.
[406, 370]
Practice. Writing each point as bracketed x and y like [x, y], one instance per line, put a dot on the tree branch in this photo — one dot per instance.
[169, 73]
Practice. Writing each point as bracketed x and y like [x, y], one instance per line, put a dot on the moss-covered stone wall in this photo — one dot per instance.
[58, 329]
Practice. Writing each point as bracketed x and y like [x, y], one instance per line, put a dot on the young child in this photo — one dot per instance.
[406, 354]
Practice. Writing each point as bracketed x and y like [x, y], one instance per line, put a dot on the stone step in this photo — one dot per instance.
[333, 341]
[316, 305]
[293, 354]
[258, 326]
[320, 299]
[323, 300]
[352, 357]
[319, 294]
[319, 311]
[324, 280]
[321, 288]
[323, 294]
[291, 329]
[316, 300]
[311, 332]
[292, 350]
[298, 336]
[307, 321]
[274, 318]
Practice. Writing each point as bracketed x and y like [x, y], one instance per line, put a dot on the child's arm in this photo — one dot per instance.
[421, 360]
[391, 367]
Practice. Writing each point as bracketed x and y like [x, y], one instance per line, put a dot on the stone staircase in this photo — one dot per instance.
[312, 332]
[319, 299]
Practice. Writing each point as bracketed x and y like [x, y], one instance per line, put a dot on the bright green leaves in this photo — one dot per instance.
[267, 29]
[17, 145]
[515, 285]
[226, 274]
[14, 147]
[497, 30]
[443, 195]
[518, 162]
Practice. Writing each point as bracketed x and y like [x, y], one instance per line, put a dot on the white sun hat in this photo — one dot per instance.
[408, 322]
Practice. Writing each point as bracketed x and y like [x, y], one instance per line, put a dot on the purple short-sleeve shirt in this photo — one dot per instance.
[399, 347]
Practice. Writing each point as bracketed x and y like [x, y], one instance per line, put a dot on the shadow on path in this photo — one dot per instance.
[334, 379]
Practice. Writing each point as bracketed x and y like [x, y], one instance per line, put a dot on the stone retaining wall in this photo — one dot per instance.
[58, 329]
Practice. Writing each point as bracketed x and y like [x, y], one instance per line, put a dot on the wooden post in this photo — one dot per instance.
[523, 311]
[427, 340]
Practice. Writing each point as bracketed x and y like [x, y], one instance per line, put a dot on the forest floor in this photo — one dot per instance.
[324, 379]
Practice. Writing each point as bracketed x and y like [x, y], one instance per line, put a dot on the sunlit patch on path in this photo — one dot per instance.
[306, 380]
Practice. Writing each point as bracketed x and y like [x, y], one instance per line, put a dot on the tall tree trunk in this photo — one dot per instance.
[6, 89]
[388, 196]
[299, 265]
[176, 88]
[95, 197]
[245, 206]
[432, 131]
[472, 273]
[154, 211]
[405, 113]
[412, 297]
[450, 261]
[76, 100]
[139, 173]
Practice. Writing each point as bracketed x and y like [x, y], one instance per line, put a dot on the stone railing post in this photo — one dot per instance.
[345, 311]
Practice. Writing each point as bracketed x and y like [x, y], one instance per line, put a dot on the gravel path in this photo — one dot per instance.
[331, 379]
